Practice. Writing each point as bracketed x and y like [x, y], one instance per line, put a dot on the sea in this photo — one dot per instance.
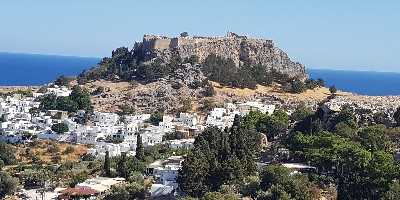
[360, 82]
[18, 69]
[31, 69]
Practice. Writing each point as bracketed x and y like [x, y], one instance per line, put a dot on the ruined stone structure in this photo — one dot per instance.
[238, 48]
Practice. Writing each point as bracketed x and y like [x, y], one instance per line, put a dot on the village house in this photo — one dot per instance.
[105, 119]
[245, 108]
[188, 119]
[165, 173]
[59, 91]
[180, 144]
[90, 188]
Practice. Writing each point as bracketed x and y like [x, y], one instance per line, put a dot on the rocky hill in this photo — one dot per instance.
[240, 49]
[173, 74]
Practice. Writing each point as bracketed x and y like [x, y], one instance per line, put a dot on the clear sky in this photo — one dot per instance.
[340, 34]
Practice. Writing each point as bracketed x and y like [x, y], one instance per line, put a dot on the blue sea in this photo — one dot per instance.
[360, 82]
[32, 69]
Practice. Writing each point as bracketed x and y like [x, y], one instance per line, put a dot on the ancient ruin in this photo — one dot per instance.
[240, 49]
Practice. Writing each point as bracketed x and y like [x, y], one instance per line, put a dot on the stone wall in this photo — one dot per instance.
[238, 48]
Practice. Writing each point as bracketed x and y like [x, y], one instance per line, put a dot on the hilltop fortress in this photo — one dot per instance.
[240, 49]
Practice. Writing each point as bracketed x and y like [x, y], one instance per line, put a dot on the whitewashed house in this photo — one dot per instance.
[245, 108]
[188, 119]
[181, 144]
[165, 174]
[105, 119]
[59, 91]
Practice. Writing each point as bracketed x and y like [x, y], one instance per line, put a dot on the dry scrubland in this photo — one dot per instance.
[116, 93]
[45, 150]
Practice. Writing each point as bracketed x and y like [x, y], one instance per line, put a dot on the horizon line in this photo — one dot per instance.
[95, 57]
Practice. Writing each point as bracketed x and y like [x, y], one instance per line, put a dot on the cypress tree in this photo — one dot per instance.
[396, 116]
[107, 165]
[139, 148]
[122, 166]
[236, 121]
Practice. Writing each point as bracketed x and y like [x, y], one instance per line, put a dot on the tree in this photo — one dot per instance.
[279, 183]
[107, 165]
[3, 118]
[396, 116]
[78, 177]
[7, 154]
[345, 130]
[374, 138]
[67, 104]
[219, 158]
[361, 171]
[192, 177]
[8, 184]
[251, 120]
[122, 168]
[156, 118]
[333, 89]
[139, 148]
[209, 90]
[300, 113]
[130, 191]
[184, 34]
[321, 82]
[250, 186]
[298, 86]
[393, 193]
[1, 164]
[347, 116]
[82, 98]
[220, 196]
[60, 128]
[236, 121]
[33, 178]
[274, 125]
[48, 102]
[63, 81]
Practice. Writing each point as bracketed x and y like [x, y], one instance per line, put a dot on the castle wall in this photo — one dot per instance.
[238, 48]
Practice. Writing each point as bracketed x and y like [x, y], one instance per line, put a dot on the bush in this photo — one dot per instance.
[63, 81]
[78, 100]
[53, 149]
[208, 90]
[333, 89]
[69, 149]
[98, 91]
[7, 154]
[56, 158]
[156, 118]
[8, 184]
[298, 86]
[60, 128]
[88, 157]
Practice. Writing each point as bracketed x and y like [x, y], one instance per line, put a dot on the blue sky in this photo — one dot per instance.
[341, 34]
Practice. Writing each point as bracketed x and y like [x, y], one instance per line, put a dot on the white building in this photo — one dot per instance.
[165, 174]
[220, 118]
[188, 119]
[105, 119]
[59, 91]
[181, 144]
[245, 108]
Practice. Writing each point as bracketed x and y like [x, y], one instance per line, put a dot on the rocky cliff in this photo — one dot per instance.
[240, 49]
[170, 74]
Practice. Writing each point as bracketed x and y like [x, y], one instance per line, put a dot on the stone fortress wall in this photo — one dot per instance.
[238, 48]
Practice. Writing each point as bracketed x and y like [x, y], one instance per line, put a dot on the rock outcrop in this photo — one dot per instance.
[240, 49]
